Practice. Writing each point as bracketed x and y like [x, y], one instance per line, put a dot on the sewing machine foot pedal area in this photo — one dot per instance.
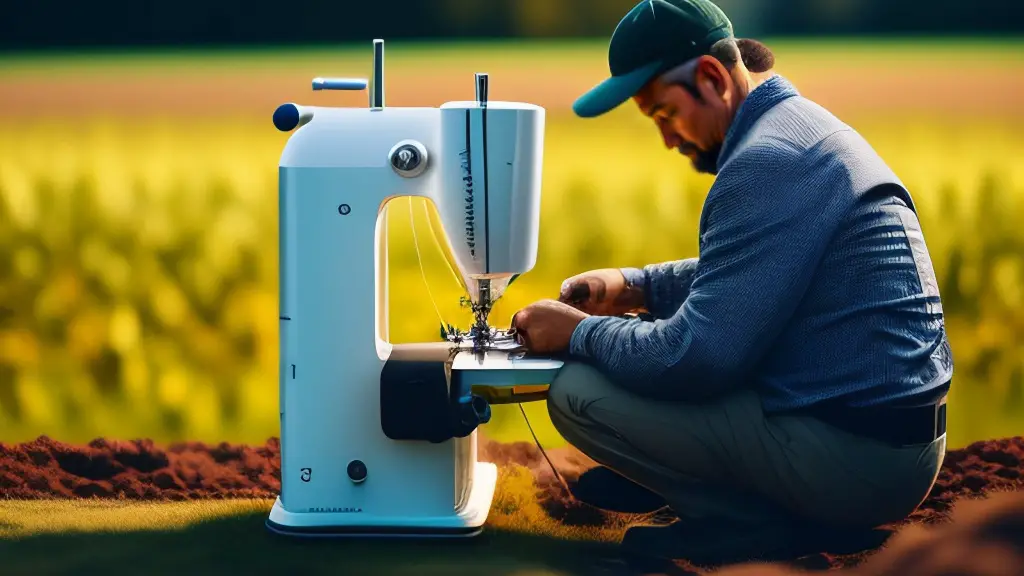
[379, 439]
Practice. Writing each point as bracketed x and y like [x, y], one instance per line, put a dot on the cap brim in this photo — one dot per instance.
[611, 93]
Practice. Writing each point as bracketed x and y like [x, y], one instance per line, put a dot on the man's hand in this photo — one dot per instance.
[546, 327]
[601, 293]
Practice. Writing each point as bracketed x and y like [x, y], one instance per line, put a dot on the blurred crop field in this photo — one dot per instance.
[138, 217]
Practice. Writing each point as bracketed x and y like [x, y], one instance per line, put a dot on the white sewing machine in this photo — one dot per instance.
[380, 438]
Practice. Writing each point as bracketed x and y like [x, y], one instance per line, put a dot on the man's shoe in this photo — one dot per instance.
[602, 488]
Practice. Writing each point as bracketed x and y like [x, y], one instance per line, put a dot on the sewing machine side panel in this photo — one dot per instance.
[330, 367]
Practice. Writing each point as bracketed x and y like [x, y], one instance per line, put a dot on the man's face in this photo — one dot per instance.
[694, 123]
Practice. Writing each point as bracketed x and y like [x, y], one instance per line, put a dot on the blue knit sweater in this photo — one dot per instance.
[813, 281]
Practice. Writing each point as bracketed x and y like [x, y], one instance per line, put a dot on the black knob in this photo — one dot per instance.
[357, 471]
[474, 410]
[406, 158]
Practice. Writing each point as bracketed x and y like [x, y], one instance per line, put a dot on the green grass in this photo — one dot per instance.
[229, 537]
[224, 537]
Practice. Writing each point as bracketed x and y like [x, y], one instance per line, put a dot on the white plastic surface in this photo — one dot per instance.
[491, 166]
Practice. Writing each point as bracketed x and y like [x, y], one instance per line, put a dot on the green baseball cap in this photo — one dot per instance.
[655, 36]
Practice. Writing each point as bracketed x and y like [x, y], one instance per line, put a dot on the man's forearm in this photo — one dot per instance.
[665, 285]
[657, 359]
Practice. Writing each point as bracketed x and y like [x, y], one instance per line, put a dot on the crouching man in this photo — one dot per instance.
[789, 380]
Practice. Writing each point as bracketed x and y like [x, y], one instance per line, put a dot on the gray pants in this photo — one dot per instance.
[728, 460]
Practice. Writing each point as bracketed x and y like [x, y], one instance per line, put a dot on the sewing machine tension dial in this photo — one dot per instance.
[408, 158]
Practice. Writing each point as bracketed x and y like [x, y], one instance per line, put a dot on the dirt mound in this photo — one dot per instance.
[138, 469]
[984, 537]
[981, 468]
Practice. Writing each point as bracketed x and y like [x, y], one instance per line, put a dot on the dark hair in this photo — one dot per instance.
[756, 56]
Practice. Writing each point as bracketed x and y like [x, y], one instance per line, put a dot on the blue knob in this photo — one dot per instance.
[473, 411]
[289, 116]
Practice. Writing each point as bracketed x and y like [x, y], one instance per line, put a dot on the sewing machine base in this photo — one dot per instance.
[466, 523]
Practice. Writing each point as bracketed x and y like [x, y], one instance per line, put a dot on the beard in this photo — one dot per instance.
[704, 161]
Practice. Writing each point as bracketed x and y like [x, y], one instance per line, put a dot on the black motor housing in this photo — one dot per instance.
[416, 401]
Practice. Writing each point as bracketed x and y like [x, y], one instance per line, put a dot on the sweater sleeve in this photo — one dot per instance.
[665, 284]
[766, 226]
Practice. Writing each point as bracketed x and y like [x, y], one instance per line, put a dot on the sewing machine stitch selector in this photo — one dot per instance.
[408, 158]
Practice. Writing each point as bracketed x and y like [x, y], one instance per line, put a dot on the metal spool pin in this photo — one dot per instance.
[339, 83]
[481, 88]
[376, 83]
[377, 78]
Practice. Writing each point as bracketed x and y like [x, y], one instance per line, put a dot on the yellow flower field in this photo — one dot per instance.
[138, 252]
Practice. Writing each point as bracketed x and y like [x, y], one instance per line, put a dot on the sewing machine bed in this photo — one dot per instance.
[506, 376]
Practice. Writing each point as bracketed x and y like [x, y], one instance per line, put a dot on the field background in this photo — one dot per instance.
[138, 216]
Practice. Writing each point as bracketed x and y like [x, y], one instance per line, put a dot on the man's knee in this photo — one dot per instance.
[573, 387]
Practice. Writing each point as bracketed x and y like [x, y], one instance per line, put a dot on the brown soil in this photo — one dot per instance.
[983, 537]
[139, 470]
[992, 528]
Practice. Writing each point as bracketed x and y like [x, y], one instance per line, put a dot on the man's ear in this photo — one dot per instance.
[713, 80]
